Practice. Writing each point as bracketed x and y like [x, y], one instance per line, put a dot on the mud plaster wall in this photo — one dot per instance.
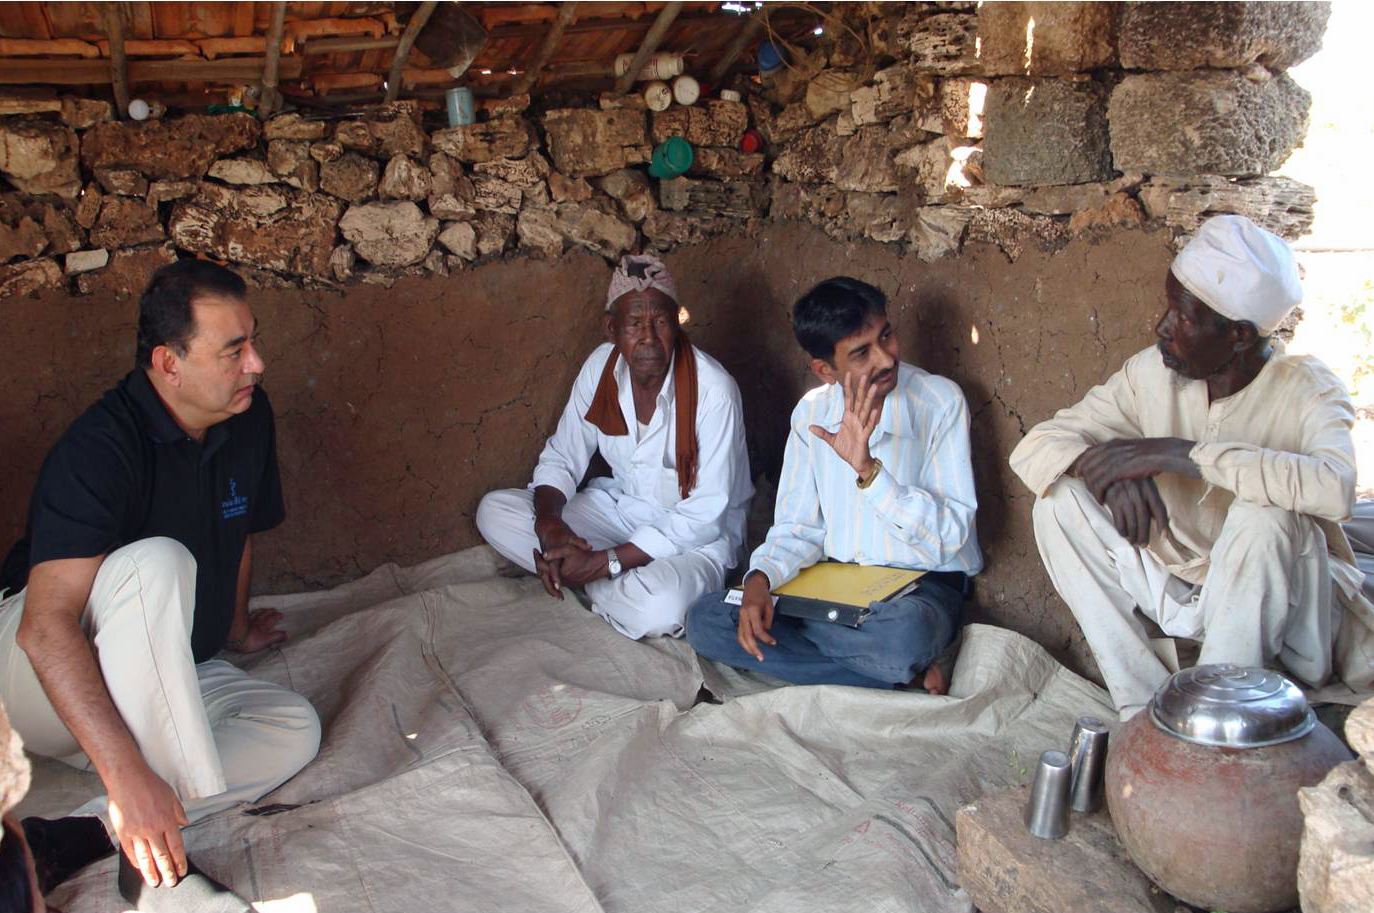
[398, 408]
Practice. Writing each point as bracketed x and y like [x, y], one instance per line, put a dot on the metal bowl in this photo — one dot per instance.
[1232, 706]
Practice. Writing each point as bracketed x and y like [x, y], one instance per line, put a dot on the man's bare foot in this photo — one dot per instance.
[934, 681]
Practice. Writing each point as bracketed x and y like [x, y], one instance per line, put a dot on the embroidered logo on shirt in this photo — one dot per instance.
[235, 505]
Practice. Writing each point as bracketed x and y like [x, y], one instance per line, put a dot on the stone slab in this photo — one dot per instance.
[1336, 862]
[83, 261]
[126, 274]
[1046, 131]
[180, 148]
[1046, 39]
[40, 157]
[500, 137]
[1006, 870]
[1278, 204]
[945, 43]
[1205, 122]
[267, 226]
[1189, 36]
[587, 143]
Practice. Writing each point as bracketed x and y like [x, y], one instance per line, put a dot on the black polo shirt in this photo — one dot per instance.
[126, 471]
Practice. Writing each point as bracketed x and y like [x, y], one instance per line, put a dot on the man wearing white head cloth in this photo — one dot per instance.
[668, 523]
[1201, 487]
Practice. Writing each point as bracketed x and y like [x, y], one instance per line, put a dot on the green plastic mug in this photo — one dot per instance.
[671, 158]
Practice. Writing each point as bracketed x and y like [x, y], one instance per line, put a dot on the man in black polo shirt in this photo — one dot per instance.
[132, 576]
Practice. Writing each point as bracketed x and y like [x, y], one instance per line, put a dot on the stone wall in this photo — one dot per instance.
[916, 124]
[1018, 200]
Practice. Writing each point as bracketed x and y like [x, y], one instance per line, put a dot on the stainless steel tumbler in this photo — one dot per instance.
[1047, 813]
[1087, 762]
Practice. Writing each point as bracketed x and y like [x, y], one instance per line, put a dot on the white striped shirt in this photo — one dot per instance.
[919, 511]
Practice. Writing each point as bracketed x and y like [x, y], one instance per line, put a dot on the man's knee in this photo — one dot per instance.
[155, 555]
[661, 613]
[707, 620]
[498, 510]
[1065, 500]
[1256, 524]
[161, 569]
[300, 726]
[913, 633]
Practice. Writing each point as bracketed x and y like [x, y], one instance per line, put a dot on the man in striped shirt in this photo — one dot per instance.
[876, 472]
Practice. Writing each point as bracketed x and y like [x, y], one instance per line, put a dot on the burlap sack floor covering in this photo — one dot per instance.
[487, 748]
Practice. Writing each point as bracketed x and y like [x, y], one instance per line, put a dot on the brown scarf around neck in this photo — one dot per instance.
[606, 415]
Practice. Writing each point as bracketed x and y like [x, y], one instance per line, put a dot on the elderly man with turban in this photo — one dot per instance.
[1202, 485]
[669, 521]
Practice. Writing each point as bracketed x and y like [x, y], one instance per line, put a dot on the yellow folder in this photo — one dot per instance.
[848, 584]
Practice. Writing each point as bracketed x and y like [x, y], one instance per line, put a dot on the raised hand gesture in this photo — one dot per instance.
[861, 411]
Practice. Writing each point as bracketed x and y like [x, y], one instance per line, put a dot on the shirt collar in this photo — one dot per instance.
[664, 400]
[158, 423]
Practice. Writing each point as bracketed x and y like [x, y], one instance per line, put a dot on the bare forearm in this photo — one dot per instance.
[66, 666]
[632, 556]
[238, 628]
[548, 503]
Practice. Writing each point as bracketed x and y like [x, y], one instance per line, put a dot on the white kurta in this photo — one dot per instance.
[693, 540]
[1281, 442]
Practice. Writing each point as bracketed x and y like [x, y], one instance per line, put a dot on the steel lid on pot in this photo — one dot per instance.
[1231, 706]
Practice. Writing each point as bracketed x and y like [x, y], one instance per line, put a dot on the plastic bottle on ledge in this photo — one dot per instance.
[659, 66]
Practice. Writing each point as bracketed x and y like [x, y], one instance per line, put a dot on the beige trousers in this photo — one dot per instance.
[644, 602]
[1267, 599]
[216, 735]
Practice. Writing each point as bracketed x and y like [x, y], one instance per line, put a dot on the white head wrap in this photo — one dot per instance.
[1240, 271]
[637, 272]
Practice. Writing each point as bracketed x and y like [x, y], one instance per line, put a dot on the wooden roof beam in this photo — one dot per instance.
[18, 71]
[339, 45]
[566, 12]
[652, 40]
[398, 62]
[745, 37]
[47, 47]
[119, 77]
[267, 100]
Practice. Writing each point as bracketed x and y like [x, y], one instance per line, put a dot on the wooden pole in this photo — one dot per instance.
[267, 102]
[566, 12]
[651, 43]
[114, 30]
[736, 48]
[398, 62]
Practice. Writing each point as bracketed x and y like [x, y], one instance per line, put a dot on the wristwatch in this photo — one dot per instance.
[612, 563]
[865, 481]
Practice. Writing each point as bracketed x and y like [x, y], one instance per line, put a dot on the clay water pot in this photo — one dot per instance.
[1218, 825]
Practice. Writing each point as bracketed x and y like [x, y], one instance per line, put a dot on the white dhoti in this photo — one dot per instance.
[216, 735]
[642, 602]
[1267, 597]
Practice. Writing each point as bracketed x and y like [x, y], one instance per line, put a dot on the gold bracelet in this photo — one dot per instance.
[865, 481]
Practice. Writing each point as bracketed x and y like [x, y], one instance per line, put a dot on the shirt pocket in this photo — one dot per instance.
[665, 488]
